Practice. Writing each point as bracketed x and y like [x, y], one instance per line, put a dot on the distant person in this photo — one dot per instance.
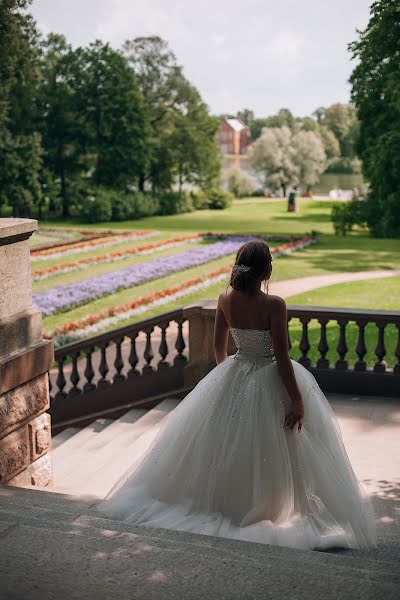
[292, 199]
[355, 193]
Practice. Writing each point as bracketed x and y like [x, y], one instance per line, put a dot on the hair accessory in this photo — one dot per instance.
[240, 269]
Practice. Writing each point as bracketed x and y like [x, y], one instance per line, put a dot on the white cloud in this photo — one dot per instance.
[260, 54]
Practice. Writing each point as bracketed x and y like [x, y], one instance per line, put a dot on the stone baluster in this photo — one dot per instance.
[103, 367]
[118, 362]
[163, 349]
[380, 350]
[304, 343]
[323, 348]
[89, 372]
[133, 357]
[341, 362]
[25, 359]
[148, 352]
[180, 345]
[60, 381]
[75, 377]
[361, 348]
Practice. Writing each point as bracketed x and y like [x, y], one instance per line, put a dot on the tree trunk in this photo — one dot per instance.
[284, 189]
[141, 182]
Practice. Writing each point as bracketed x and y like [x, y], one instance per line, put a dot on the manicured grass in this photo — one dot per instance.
[379, 293]
[372, 294]
[248, 218]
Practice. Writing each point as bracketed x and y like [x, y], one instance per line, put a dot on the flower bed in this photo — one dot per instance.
[112, 315]
[68, 267]
[99, 241]
[63, 297]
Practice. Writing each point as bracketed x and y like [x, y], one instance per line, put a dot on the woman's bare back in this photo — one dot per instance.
[245, 311]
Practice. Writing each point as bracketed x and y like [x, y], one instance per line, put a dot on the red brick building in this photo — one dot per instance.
[233, 136]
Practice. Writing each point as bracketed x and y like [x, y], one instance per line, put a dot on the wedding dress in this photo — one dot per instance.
[223, 464]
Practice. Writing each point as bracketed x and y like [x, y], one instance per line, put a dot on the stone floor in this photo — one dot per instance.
[54, 547]
[371, 433]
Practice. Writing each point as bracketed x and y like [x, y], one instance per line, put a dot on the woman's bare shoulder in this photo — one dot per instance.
[276, 303]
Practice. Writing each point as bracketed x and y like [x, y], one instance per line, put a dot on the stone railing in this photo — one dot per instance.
[139, 364]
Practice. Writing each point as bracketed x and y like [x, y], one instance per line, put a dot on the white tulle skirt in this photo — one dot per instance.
[224, 465]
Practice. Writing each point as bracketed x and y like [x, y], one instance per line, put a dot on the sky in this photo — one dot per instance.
[257, 54]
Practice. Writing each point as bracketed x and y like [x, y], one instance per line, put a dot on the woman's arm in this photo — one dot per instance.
[285, 367]
[221, 332]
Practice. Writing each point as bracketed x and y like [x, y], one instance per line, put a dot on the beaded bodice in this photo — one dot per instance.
[254, 345]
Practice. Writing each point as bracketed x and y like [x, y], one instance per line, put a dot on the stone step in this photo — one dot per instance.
[63, 451]
[381, 560]
[116, 428]
[100, 470]
[38, 561]
[63, 436]
[90, 445]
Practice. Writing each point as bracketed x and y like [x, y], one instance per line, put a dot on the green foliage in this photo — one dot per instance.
[199, 199]
[182, 133]
[376, 95]
[175, 203]
[97, 208]
[218, 199]
[133, 205]
[348, 214]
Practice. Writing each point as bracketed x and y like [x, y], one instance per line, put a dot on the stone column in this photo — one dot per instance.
[201, 318]
[25, 358]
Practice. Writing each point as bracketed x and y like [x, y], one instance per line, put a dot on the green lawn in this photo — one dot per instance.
[332, 254]
[372, 294]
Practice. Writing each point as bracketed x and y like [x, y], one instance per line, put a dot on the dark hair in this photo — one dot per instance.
[257, 256]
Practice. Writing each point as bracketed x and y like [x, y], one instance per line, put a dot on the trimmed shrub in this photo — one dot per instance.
[199, 199]
[174, 203]
[346, 215]
[97, 208]
[218, 199]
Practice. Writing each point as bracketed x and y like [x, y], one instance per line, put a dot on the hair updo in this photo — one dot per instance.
[256, 256]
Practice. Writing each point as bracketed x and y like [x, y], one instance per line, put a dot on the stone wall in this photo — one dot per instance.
[25, 358]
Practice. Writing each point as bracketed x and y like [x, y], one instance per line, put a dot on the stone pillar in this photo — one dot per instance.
[25, 358]
[201, 318]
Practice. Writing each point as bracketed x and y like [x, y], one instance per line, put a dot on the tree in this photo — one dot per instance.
[273, 156]
[20, 146]
[342, 120]
[247, 116]
[114, 123]
[376, 94]
[60, 122]
[330, 143]
[239, 183]
[286, 158]
[310, 157]
[182, 133]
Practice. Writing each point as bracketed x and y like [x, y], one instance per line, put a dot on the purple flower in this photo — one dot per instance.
[62, 297]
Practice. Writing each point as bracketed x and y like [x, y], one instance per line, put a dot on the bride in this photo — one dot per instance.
[254, 452]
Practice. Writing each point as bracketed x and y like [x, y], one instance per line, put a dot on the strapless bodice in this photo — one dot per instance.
[253, 345]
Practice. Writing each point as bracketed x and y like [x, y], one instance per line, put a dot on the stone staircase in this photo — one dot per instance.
[92, 459]
[55, 546]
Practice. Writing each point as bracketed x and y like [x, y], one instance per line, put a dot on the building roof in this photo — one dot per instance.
[236, 124]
